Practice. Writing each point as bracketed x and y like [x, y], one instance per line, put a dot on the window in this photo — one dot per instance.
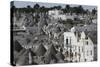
[66, 41]
[87, 53]
[82, 49]
[75, 54]
[70, 40]
[79, 49]
[86, 42]
[91, 52]
[85, 60]
[67, 54]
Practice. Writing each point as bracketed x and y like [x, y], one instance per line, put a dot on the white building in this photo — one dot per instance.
[78, 46]
[58, 14]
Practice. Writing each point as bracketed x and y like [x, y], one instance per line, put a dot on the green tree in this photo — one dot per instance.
[28, 9]
[78, 10]
[36, 6]
[67, 9]
[37, 12]
[28, 6]
[67, 6]
[58, 7]
[42, 9]
[94, 11]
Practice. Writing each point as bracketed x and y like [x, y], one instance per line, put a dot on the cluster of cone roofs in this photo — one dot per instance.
[41, 55]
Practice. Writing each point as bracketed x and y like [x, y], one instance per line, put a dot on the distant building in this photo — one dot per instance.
[58, 14]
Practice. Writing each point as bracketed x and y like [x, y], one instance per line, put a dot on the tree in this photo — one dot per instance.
[28, 6]
[64, 10]
[80, 9]
[42, 9]
[74, 10]
[67, 7]
[86, 11]
[94, 11]
[36, 6]
[58, 7]
[37, 12]
[28, 9]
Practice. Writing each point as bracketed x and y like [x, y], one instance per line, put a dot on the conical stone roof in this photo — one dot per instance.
[24, 59]
[59, 56]
[50, 55]
[52, 50]
[40, 50]
[17, 46]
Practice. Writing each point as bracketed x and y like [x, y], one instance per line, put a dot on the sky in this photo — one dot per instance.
[21, 4]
